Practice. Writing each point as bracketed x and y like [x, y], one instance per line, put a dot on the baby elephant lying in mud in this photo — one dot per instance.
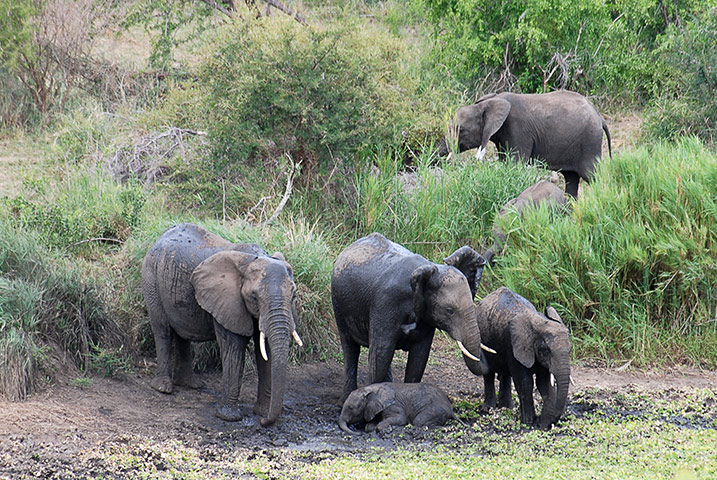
[382, 405]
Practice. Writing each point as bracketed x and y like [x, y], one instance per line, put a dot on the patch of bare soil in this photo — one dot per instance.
[71, 431]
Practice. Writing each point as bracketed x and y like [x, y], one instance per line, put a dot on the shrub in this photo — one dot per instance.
[632, 270]
[46, 306]
[433, 211]
[687, 103]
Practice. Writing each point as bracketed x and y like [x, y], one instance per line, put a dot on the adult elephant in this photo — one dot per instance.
[199, 286]
[386, 297]
[561, 128]
[529, 344]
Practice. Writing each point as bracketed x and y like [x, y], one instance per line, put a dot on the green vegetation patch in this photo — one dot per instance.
[633, 270]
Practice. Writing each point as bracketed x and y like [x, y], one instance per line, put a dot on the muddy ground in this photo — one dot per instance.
[88, 429]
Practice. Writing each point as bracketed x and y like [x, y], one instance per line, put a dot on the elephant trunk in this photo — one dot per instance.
[442, 147]
[279, 337]
[554, 405]
[343, 424]
[469, 337]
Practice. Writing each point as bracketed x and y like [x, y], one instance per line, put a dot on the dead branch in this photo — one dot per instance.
[287, 10]
[287, 193]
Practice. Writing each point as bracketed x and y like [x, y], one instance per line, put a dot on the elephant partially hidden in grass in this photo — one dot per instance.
[561, 128]
[528, 344]
[198, 287]
[383, 405]
[542, 193]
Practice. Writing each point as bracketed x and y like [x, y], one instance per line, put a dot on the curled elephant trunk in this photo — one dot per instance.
[344, 426]
[554, 405]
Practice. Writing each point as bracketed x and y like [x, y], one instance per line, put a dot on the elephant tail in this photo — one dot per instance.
[607, 134]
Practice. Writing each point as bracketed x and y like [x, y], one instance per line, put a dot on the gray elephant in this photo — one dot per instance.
[529, 344]
[198, 287]
[561, 128]
[383, 405]
[386, 297]
[542, 193]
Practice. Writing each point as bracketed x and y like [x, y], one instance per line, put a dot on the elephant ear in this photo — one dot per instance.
[495, 111]
[552, 314]
[280, 256]
[217, 285]
[470, 263]
[522, 339]
[419, 279]
[377, 401]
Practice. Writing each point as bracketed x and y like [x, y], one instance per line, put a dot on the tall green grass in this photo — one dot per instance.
[634, 268]
[47, 306]
[434, 210]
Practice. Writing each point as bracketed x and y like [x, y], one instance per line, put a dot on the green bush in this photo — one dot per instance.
[687, 103]
[633, 270]
[433, 211]
[46, 306]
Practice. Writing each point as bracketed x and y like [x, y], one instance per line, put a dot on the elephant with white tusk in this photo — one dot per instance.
[562, 128]
[387, 298]
[529, 344]
[199, 287]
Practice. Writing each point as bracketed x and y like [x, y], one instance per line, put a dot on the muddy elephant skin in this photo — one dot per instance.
[383, 405]
[199, 287]
[386, 297]
[529, 344]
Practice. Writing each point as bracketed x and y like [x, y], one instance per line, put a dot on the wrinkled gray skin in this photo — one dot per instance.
[529, 344]
[386, 297]
[198, 287]
[561, 128]
[542, 193]
[383, 405]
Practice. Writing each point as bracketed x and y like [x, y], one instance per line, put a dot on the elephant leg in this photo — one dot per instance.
[431, 417]
[183, 374]
[393, 415]
[163, 338]
[351, 351]
[263, 370]
[232, 348]
[524, 386]
[380, 355]
[572, 181]
[489, 391]
[417, 359]
[542, 380]
[505, 399]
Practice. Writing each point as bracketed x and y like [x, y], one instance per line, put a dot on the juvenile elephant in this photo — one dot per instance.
[561, 128]
[529, 344]
[382, 405]
[542, 193]
[198, 287]
[386, 297]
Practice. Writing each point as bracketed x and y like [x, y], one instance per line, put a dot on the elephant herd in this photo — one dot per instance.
[199, 286]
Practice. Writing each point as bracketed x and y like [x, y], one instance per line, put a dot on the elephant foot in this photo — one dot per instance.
[162, 384]
[229, 413]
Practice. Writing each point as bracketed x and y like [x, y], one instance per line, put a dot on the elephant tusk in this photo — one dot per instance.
[488, 349]
[480, 153]
[572, 382]
[262, 346]
[297, 338]
[467, 353]
[552, 380]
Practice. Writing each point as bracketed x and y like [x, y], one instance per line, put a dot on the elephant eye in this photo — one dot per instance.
[450, 311]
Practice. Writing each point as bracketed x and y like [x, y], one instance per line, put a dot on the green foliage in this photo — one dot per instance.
[536, 45]
[83, 208]
[687, 103]
[46, 304]
[632, 270]
[433, 211]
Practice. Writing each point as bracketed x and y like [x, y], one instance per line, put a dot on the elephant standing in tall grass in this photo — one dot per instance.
[562, 128]
[198, 287]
